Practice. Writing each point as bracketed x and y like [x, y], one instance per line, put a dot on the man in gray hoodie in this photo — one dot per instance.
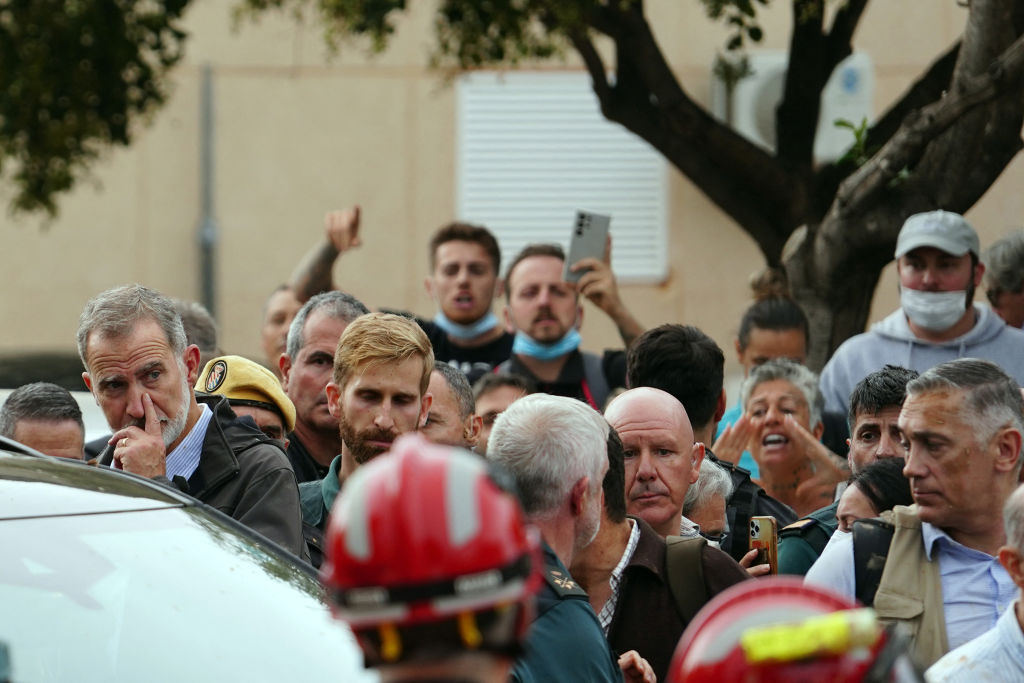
[937, 262]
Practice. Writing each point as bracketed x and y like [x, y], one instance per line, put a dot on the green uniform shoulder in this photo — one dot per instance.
[562, 583]
[823, 520]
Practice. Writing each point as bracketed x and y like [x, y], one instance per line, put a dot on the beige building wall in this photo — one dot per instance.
[299, 132]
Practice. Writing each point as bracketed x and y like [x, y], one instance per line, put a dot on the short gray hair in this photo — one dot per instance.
[115, 312]
[1013, 519]
[1004, 265]
[992, 398]
[798, 375]
[548, 443]
[459, 385]
[38, 401]
[335, 304]
[713, 480]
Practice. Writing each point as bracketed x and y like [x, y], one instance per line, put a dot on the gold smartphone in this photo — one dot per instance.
[764, 537]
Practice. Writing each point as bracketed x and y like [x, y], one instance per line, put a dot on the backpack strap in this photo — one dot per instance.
[871, 541]
[597, 383]
[685, 569]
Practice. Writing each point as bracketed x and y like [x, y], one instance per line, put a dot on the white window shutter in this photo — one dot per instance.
[533, 147]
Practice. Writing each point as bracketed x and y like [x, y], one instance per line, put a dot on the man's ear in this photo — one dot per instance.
[720, 406]
[578, 496]
[192, 364]
[285, 364]
[474, 425]
[428, 284]
[88, 383]
[1007, 442]
[979, 273]
[510, 325]
[333, 398]
[818, 430]
[697, 457]
[1012, 562]
[739, 351]
[579, 316]
[428, 398]
[499, 288]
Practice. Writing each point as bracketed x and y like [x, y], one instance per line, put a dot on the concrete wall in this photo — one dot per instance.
[299, 131]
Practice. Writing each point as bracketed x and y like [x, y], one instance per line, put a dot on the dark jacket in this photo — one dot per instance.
[565, 642]
[646, 618]
[245, 475]
[585, 376]
[801, 543]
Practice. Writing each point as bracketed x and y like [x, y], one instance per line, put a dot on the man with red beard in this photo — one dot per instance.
[382, 368]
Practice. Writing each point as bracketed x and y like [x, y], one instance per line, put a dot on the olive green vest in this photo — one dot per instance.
[911, 589]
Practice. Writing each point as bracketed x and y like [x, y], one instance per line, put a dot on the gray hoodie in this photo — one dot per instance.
[891, 341]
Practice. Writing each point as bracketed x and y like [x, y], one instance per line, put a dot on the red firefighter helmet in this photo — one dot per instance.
[427, 554]
[777, 629]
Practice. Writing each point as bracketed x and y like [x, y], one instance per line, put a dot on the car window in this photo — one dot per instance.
[161, 595]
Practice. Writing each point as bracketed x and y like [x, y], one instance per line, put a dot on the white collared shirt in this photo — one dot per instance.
[184, 459]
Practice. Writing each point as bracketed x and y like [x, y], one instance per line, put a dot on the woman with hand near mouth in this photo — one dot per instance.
[781, 427]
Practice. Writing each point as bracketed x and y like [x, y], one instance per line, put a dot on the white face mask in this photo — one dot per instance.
[934, 311]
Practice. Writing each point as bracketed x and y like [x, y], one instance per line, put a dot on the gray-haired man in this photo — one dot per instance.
[140, 370]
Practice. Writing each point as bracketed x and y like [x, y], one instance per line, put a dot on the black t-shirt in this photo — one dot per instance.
[476, 361]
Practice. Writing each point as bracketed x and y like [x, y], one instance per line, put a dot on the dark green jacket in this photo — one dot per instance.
[565, 641]
[801, 543]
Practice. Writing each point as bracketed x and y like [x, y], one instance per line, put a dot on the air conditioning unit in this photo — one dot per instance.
[847, 95]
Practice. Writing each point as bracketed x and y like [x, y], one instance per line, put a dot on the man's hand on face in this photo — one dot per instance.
[141, 451]
[342, 228]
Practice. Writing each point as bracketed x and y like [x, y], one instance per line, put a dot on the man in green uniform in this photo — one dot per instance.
[555, 449]
[874, 409]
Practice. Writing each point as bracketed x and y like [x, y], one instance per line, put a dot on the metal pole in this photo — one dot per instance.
[208, 229]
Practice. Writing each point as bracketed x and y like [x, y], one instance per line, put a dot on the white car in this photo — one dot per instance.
[105, 576]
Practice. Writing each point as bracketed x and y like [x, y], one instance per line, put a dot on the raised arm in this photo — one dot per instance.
[314, 274]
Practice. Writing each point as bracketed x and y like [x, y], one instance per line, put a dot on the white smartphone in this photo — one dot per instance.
[589, 233]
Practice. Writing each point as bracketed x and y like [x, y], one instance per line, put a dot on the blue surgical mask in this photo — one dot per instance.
[526, 345]
[454, 329]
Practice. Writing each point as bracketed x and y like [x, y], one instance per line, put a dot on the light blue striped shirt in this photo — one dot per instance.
[996, 655]
[976, 589]
[184, 459]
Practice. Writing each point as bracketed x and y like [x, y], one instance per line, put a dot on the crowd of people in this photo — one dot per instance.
[547, 513]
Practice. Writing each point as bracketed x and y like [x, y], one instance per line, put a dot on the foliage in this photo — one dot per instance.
[74, 74]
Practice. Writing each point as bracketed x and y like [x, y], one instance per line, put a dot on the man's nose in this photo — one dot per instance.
[384, 419]
[645, 469]
[888, 447]
[133, 405]
[913, 466]
[929, 279]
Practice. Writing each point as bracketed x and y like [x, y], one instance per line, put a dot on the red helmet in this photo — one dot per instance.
[777, 629]
[426, 554]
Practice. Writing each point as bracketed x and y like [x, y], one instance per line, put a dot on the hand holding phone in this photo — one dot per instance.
[589, 235]
[764, 537]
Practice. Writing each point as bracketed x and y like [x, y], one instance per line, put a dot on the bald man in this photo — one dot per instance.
[662, 459]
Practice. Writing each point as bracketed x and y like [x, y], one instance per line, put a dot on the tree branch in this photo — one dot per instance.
[796, 118]
[905, 148]
[594, 65]
[838, 44]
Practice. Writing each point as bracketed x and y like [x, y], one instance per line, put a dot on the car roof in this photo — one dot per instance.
[35, 485]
